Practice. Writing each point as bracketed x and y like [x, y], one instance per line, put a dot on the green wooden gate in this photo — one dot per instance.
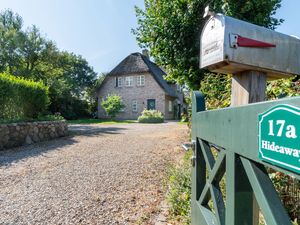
[234, 133]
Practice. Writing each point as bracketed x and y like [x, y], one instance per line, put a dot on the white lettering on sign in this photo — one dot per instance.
[290, 130]
[272, 146]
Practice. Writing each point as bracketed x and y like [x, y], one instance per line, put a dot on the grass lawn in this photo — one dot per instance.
[102, 121]
[185, 123]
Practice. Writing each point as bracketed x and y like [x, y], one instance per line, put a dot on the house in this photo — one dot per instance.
[141, 85]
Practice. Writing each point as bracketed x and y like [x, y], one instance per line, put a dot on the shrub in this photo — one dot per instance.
[288, 189]
[151, 116]
[55, 117]
[20, 98]
[179, 190]
[113, 104]
[39, 118]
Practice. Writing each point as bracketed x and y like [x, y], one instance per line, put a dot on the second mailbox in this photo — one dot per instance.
[231, 46]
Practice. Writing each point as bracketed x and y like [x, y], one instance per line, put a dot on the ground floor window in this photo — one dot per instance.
[123, 109]
[134, 106]
[170, 106]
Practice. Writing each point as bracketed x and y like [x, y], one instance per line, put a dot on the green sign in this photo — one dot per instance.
[279, 137]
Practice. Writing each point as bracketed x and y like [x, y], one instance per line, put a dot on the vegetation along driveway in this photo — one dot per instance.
[102, 174]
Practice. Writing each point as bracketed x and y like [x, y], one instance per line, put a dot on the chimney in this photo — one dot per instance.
[145, 52]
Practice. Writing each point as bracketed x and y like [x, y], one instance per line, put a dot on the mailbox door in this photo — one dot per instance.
[212, 41]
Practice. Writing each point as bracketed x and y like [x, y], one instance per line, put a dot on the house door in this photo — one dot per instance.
[151, 104]
[179, 112]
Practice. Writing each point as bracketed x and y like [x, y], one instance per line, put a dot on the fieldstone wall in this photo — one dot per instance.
[17, 134]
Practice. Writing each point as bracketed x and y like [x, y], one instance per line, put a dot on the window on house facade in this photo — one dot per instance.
[120, 82]
[122, 110]
[140, 80]
[170, 106]
[134, 106]
[129, 81]
[178, 87]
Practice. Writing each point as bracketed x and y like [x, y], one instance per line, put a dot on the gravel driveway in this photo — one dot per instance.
[104, 174]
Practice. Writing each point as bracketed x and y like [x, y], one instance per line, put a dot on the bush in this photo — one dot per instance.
[288, 189]
[179, 190]
[113, 104]
[151, 116]
[40, 118]
[56, 117]
[20, 98]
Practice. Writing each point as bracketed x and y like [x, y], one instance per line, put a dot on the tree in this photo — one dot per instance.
[10, 36]
[32, 45]
[259, 12]
[69, 86]
[27, 53]
[91, 94]
[113, 104]
[171, 31]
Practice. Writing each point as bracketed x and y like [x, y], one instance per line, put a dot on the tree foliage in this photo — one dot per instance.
[113, 104]
[260, 12]
[217, 90]
[171, 31]
[27, 53]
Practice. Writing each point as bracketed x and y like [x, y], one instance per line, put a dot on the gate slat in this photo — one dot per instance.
[265, 193]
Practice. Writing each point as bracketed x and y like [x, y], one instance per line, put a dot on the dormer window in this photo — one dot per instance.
[140, 80]
[129, 81]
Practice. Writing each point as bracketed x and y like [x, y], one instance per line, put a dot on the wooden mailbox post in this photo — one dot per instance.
[252, 54]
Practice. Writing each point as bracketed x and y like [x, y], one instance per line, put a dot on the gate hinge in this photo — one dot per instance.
[189, 145]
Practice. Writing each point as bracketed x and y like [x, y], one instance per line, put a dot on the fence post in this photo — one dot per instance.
[247, 87]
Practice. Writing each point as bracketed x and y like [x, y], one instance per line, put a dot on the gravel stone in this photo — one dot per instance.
[102, 174]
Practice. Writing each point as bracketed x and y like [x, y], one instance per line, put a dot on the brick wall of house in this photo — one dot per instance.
[151, 90]
[179, 100]
[169, 112]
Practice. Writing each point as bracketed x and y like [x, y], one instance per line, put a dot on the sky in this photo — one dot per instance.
[100, 30]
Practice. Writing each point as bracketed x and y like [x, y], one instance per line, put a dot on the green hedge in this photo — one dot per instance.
[151, 116]
[20, 98]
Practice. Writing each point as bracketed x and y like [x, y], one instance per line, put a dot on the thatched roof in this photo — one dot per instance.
[138, 63]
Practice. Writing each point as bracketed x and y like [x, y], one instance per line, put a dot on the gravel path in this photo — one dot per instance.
[106, 174]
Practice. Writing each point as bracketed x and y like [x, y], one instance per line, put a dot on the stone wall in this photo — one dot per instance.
[17, 134]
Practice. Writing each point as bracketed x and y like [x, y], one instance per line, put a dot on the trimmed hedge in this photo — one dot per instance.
[20, 98]
[151, 116]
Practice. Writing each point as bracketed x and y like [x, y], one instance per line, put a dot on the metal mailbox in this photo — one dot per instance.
[230, 45]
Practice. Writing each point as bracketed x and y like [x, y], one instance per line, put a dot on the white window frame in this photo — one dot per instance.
[123, 109]
[140, 80]
[134, 106]
[129, 81]
[170, 106]
[120, 81]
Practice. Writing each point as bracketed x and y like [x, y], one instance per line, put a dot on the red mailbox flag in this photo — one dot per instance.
[248, 42]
